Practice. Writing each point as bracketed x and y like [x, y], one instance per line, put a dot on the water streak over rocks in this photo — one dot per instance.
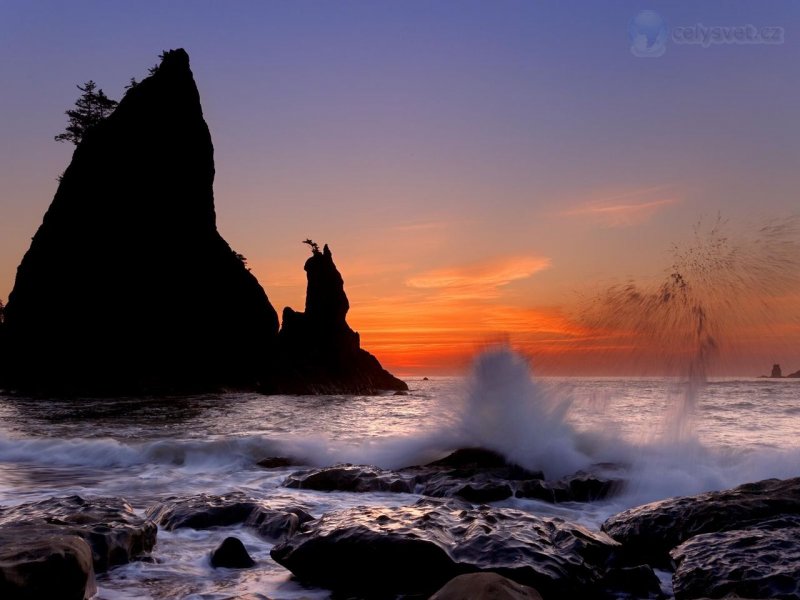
[416, 549]
[206, 511]
[114, 532]
[757, 562]
[649, 532]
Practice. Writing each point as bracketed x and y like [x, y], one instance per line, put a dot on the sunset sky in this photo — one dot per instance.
[479, 169]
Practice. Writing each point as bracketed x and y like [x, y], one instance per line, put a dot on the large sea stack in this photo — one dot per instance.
[318, 352]
[127, 286]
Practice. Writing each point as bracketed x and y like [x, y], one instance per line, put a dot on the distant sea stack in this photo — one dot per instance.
[127, 286]
[318, 352]
[776, 372]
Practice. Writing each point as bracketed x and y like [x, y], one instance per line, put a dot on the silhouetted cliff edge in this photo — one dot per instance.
[127, 286]
[318, 352]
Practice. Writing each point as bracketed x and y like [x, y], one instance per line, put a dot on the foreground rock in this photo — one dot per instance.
[158, 301]
[231, 554]
[206, 511]
[318, 352]
[472, 474]
[417, 549]
[42, 562]
[649, 532]
[757, 562]
[115, 534]
[485, 586]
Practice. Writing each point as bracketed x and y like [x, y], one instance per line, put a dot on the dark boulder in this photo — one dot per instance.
[478, 489]
[202, 512]
[417, 549]
[483, 460]
[472, 474]
[127, 286]
[546, 491]
[40, 561]
[762, 561]
[579, 487]
[318, 352]
[231, 554]
[776, 372]
[206, 511]
[480, 475]
[114, 532]
[277, 462]
[277, 525]
[350, 478]
[649, 532]
[485, 586]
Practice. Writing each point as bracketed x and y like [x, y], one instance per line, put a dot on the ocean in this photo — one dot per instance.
[668, 437]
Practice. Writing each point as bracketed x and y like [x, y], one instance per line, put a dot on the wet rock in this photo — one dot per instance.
[158, 301]
[114, 532]
[757, 562]
[649, 532]
[203, 511]
[318, 352]
[206, 511]
[349, 478]
[477, 489]
[277, 462]
[417, 549]
[536, 489]
[473, 474]
[277, 524]
[580, 487]
[483, 460]
[40, 561]
[231, 554]
[485, 586]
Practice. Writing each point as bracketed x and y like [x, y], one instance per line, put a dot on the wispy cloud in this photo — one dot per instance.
[625, 208]
[479, 280]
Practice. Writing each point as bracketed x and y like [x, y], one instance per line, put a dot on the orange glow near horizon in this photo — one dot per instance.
[435, 321]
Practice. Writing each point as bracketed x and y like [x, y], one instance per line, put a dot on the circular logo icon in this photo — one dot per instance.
[647, 33]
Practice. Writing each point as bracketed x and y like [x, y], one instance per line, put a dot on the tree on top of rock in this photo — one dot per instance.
[314, 245]
[90, 108]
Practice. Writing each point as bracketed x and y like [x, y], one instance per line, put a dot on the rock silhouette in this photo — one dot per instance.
[776, 372]
[231, 554]
[127, 286]
[318, 352]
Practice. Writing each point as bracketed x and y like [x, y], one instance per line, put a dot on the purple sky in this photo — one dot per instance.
[519, 144]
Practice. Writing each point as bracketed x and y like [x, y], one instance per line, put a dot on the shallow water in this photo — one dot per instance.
[147, 448]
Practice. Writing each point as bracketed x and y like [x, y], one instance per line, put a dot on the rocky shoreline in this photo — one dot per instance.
[446, 543]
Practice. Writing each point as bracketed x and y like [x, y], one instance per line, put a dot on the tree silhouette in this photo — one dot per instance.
[314, 245]
[91, 107]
